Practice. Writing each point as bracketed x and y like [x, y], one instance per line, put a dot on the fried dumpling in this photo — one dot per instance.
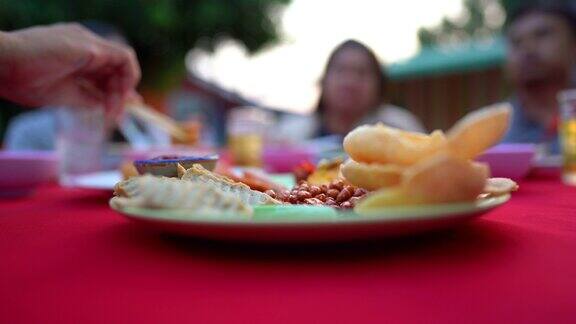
[198, 174]
[159, 192]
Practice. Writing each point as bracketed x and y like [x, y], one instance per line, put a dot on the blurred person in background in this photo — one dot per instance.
[36, 130]
[353, 92]
[540, 63]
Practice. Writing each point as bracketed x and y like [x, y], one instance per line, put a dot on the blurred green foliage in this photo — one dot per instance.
[479, 18]
[161, 31]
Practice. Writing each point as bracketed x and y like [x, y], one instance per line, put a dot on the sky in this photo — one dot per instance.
[285, 76]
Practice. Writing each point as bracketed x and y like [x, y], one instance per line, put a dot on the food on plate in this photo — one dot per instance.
[303, 171]
[198, 174]
[409, 168]
[259, 181]
[166, 165]
[387, 167]
[336, 194]
[478, 131]
[128, 170]
[255, 181]
[326, 172]
[443, 178]
[199, 189]
[161, 192]
[499, 186]
[469, 137]
[387, 145]
[371, 176]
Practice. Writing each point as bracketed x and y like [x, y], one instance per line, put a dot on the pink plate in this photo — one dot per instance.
[22, 171]
[509, 160]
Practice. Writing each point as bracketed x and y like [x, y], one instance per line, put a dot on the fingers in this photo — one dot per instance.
[114, 70]
[67, 64]
[116, 60]
[131, 72]
[76, 93]
[114, 101]
[134, 98]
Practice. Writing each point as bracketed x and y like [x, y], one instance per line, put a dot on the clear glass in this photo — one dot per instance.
[247, 128]
[567, 133]
[80, 142]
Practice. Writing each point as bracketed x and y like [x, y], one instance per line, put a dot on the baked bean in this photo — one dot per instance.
[344, 195]
[336, 184]
[333, 193]
[359, 192]
[313, 201]
[329, 203]
[303, 194]
[321, 197]
[346, 205]
[315, 190]
[337, 194]
[354, 200]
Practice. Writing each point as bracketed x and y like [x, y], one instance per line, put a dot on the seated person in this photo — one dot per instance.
[540, 63]
[353, 92]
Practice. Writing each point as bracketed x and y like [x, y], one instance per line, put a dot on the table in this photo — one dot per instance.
[66, 258]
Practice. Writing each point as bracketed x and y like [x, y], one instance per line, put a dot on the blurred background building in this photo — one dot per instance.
[442, 82]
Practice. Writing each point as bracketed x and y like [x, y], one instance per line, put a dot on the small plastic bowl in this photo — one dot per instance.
[21, 172]
[284, 159]
[167, 166]
[509, 160]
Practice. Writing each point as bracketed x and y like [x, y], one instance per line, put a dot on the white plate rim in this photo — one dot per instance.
[388, 215]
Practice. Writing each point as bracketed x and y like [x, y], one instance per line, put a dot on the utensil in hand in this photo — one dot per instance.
[164, 122]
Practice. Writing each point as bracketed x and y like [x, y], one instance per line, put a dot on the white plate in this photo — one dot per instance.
[105, 180]
[308, 224]
[548, 162]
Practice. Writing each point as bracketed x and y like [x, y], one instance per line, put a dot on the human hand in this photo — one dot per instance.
[65, 64]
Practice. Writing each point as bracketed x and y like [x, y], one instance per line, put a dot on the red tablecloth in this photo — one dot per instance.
[66, 258]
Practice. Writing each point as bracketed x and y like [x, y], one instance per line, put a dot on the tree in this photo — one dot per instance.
[479, 19]
[161, 31]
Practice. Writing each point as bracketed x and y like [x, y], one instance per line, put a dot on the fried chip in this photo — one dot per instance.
[326, 172]
[387, 145]
[478, 131]
[442, 178]
[499, 186]
[371, 176]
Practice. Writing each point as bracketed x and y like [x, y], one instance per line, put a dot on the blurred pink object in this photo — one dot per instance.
[281, 159]
[22, 171]
[509, 160]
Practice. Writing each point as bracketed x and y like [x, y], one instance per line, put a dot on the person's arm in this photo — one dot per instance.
[5, 59]
[66, 64]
